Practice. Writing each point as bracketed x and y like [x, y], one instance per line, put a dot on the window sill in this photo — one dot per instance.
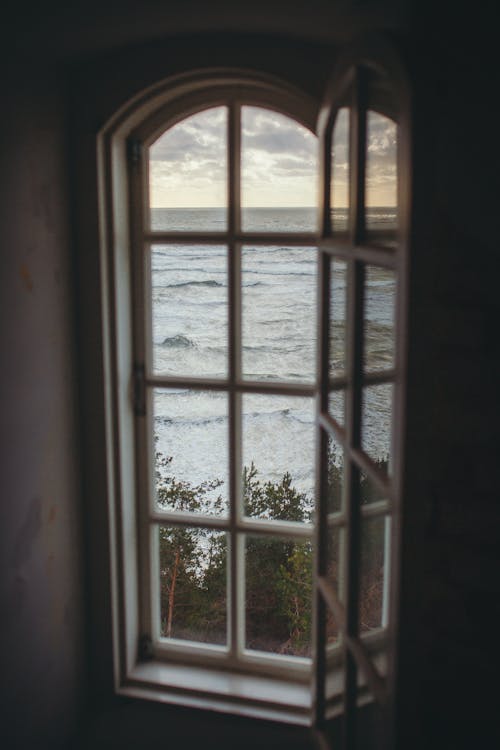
[229, 692]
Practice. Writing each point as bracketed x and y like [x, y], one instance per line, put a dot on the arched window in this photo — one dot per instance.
[255, 470]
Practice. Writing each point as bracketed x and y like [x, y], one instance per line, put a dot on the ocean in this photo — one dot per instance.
[279, 309]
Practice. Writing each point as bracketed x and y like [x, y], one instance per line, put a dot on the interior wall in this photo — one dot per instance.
[450, 511]
[41, 591]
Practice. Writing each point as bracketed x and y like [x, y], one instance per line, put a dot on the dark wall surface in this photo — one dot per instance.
[41, 591]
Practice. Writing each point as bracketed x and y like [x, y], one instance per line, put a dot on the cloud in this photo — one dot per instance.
[200, 136]
[381, 160]
[188, 162]
[279, 160]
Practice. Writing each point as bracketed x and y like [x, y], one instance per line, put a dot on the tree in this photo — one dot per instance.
[185, 554]
[278, 571]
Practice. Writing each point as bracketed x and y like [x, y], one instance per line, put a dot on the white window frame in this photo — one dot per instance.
[190, 675]
[236, 525]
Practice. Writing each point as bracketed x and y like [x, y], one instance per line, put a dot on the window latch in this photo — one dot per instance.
[139, 391]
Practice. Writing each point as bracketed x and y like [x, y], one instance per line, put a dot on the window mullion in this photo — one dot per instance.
[138, 177]
[236, 556]
[356, 273]
[321, 530]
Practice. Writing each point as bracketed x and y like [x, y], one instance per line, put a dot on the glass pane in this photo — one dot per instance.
[381, 173]
[338, 313]
[376, 423]
[189, 310]
[191, 450]
[278, 595]
[279, 313]
[333, 632]
[339, 185]
[369, 492]
[336, 405]
[188, 174]
[278, 457]
[279, 172]
[336, 552]
[379, 319]
[374, 572]
[192, 584]
[335, 476]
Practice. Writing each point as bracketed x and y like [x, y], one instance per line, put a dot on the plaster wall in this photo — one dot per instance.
[41, 590]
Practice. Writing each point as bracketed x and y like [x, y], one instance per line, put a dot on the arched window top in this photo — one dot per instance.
[163, 105]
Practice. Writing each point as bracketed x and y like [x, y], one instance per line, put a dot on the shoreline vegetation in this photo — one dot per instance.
[278, 571]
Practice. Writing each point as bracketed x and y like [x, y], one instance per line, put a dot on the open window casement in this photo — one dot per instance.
[364, 219]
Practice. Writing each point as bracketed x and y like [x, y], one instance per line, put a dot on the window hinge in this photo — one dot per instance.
[146, 650]
[139, 391]
[134, 151]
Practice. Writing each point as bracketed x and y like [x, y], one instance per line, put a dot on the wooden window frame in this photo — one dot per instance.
[196, 676]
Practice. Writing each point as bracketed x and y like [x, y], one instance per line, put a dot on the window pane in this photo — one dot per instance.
[336, 405]
[188, 174]
[376, 420]
[381, 173]
[189, 310]
[191, 451]
[192, 584]
[374, 571]
[379, 319]
[278, 457]
[278, 594]
[279, 168]
[336, 551]
[338, 312]
[279, 313]
[339, 185]
[335, 476]
[369, 492]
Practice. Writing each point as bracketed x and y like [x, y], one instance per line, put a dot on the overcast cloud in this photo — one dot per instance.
[279, 160]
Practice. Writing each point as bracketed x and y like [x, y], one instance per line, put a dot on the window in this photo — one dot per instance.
[255, 485]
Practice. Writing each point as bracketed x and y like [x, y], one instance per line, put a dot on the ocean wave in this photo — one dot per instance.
[177, 341]
[194, 422]
[288, 413]
[208, 282]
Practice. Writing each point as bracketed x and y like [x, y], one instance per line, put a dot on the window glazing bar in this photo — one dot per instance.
[283, 529]
[321, 529]
[345, 250]
[241, 386]
[355, 291]
[235, 547]
[369, 378]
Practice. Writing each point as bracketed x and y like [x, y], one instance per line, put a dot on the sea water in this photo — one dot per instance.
[278, 344]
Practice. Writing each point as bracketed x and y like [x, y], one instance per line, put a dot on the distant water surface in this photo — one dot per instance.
[190, 329]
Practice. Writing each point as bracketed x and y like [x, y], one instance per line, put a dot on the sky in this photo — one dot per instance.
[279, 161]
